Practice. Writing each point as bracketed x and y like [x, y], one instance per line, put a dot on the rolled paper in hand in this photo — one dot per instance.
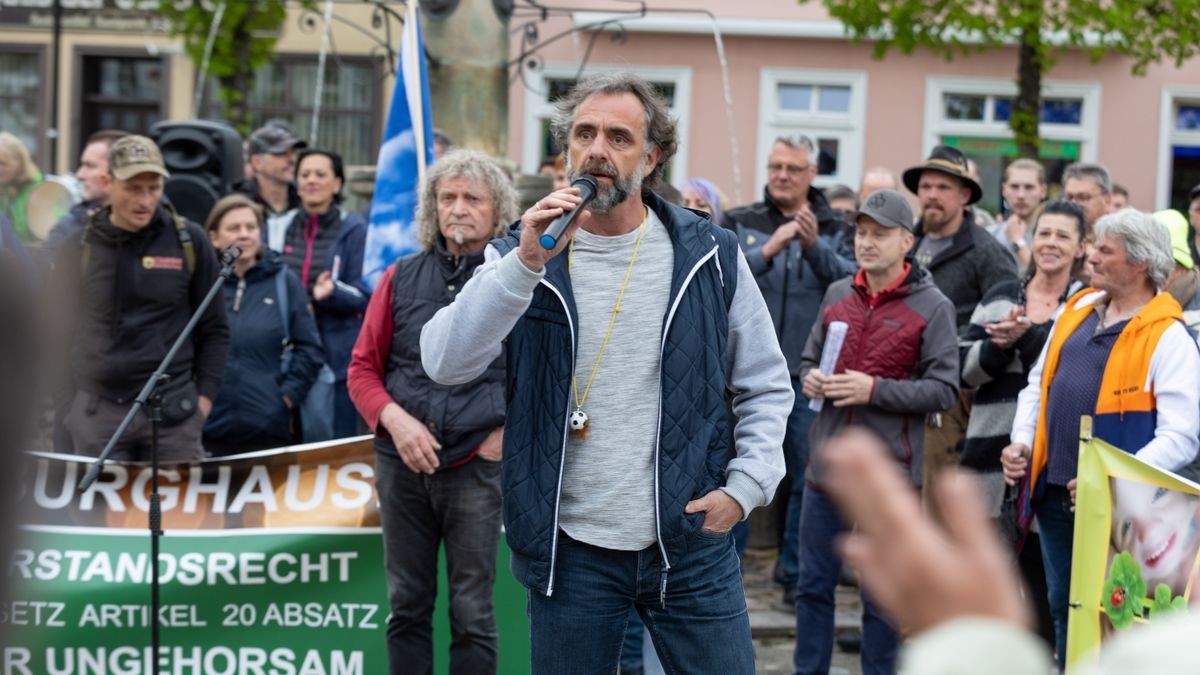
[834, 337]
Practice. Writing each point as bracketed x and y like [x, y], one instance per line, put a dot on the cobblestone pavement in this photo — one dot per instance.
[774, 626]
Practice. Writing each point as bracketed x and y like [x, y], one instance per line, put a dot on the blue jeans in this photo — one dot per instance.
[459, 508]
[820, 569]
[790, 495]
[1056, 528]
[703, 627]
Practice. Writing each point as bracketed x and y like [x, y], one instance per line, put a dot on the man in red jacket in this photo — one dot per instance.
[898, 362]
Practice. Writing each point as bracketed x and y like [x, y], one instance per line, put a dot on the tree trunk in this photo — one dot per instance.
[468, 75]
[1026, 110]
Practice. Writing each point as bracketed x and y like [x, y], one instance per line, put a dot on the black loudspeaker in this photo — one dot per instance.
[205, 160]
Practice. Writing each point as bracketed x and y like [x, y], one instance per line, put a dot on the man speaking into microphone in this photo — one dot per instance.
[626, 344]
[131, 280]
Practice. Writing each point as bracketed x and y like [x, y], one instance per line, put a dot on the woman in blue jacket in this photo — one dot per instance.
[274, 348]
[323, 246]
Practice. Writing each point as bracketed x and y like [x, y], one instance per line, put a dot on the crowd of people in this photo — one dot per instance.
[622, 401]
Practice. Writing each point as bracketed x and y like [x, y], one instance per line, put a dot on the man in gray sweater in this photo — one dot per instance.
[624, 343]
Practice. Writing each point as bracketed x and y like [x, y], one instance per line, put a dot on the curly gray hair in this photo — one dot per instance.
[1146, 241]
[660, 128]
[474, 166]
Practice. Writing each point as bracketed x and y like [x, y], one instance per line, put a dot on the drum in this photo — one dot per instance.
[48, 202]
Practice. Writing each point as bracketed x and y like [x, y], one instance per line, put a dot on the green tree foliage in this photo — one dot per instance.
[244, 43]
[1146, 31]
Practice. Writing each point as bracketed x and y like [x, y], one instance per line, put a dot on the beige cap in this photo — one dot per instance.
[131, 155]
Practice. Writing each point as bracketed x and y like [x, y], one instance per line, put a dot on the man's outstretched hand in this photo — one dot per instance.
[919, 572]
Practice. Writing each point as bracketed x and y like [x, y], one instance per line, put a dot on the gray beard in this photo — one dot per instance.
[622, 187]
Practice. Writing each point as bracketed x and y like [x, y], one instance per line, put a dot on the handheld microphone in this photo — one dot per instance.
[587, 192]
[232, 253]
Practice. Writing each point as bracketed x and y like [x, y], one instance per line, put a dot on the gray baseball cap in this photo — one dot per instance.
[888, 208]
[273, 140]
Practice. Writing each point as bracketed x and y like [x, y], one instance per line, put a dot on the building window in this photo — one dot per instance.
[973, 115]
[545, 87]
[121, 93]
[350, 106]
[827, 106]
[20, 98]
[1179, 153]
[1187, 117]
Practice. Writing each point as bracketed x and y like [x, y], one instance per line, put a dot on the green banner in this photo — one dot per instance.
[271, 564]
[1007, 147]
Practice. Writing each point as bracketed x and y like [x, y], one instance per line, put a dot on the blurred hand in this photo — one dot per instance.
[539, 216]
[204, 403]
[1071, 485]
[324, 286]
[414, 443]
[849, 388]
[920, 573]
[813, 386]
[1008, 330]
[1014, 459]
[721, 512]
[806, 230]
[780, 238]
[492, 448]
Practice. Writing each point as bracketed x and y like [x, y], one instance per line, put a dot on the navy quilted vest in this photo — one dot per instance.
[694, 439]
[460, 416]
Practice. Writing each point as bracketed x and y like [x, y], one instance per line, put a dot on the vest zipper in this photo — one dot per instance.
[658, 430]
[562, 463]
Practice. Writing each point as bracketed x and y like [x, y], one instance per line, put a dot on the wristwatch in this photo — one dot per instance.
[1018, 245]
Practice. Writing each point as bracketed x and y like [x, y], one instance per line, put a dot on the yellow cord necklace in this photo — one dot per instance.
[579, 419]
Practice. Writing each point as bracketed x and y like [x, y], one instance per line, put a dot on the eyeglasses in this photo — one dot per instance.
[1080, 197]
[789, 169]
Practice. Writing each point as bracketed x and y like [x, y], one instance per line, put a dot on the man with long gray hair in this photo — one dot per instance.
[1120, 353]
[624, 341]
[438, 447]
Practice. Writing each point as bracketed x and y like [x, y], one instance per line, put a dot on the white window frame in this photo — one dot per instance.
[849, 128]
[1168, 136]
[1086, 133]
[537, 108]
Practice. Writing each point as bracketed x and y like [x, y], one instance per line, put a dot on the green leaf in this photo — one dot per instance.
[1164, 603]
[1124, 591]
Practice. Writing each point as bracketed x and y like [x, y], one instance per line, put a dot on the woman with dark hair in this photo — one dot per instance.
[1006, 335]
[323, 246]
[274, 349]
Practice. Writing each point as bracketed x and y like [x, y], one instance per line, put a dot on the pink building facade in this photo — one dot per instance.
[791, 70]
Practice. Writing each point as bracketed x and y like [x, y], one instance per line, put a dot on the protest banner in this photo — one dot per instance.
[1136, 547]
[271, 564]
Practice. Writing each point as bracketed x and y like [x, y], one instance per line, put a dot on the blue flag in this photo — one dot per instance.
[406, 152]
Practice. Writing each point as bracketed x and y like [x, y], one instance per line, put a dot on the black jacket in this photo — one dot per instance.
[249, 412]
[969, 268]
[132, 302]
[249, 187]
[794, 282]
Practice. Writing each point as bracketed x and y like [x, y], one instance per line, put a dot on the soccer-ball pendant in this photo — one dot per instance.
[579, 420]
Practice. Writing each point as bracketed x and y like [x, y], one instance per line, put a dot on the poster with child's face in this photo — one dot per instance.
[1137, 547]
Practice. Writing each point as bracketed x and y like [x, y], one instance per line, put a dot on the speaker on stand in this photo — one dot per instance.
[205, 160]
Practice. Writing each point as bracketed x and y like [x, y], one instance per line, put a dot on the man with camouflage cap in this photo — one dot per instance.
[898, 362]
[131, 280]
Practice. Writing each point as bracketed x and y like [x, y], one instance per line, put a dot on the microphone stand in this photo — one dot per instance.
[151, 398]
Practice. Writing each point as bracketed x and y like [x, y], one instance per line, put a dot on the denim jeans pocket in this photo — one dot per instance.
[712, 535]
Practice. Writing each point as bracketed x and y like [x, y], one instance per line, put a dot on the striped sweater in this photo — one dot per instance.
[998, 375]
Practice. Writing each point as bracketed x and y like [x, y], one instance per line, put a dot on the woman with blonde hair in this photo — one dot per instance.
[18, 176]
